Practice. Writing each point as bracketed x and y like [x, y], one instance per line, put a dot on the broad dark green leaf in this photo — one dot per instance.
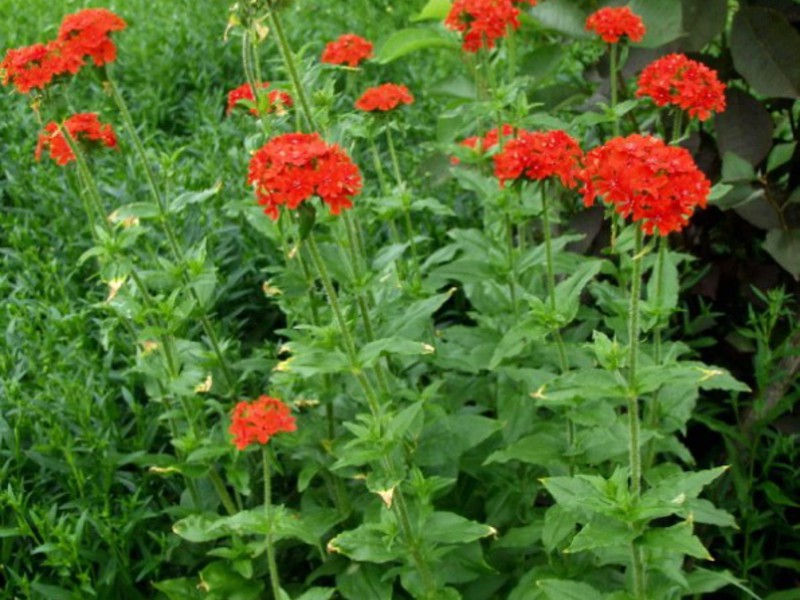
[663, 20]
[368, 543]
[784, 247]
[765, 48]
[601, 532]
[744, 128]
[703, 20]
[563, 16]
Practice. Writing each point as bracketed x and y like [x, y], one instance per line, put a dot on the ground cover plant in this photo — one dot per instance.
[438, 299]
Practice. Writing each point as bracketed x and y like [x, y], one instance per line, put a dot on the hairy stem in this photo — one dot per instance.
[271, 562]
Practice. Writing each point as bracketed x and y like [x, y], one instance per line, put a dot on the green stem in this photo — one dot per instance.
[425, 573]
[222, 492]
[291, 68]
[344, 329]
[551, 293]
[406, 209]
[653, 409]
[512, 267]
[166, 225]
[614, 84]
[633, 406]
[394, 235]
[273, 566]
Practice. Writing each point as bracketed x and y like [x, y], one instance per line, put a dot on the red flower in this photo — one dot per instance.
[295, 166]
[678, 80]
[384, 97]
[642, 177]
[348, 48]
[538, 156]
[483, 21]
[86, 34]
[612, 23]
[481, 145]
[81, 127]
[257, 421]
[278, 101]
[36, 66]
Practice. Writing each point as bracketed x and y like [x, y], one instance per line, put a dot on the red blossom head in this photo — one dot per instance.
[257, 421]
[482, 22]
[612, 23]
[384, 98]
[294, 167]
[644, 178]
[37, 65]
[86, 33]
[481, 145]
[678, 80]
[347, 49]
[277, 101]
[82, 127]
[538, 156]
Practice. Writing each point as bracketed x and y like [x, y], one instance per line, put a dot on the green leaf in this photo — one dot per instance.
[568, 292]
[703, 581]
[370, 353]
[559, 524]
[221, 582]
[736, 169]
[557, 589]
[450, 528]
[434, 10]
[545, 449]
[362, 580]
[663, 20]
[703, 20]
[187, 198]
[318, 593]
[199, 528]
[406, 41]
[368, 543]
[765, 48]
[676, 539]
[402, 421]
[784, 247]
[582, 493]
[137, 210]
[179, 589]
[745, 129]
[670, 284]
[601, 532]
[563, 16]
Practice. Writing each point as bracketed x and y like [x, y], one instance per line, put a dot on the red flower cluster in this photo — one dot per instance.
[384, 97]
[612, 23]
[642, 177]
[278, 101]
[82, 34]
[86, 34]
[295, 166]
[678, 80]
[257, 421]
[481, 145]
[483, 21]
[81, 127]
[539, 155]
[36, 66]
[347, 49]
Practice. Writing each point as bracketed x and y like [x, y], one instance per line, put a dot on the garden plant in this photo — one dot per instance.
[432, 299]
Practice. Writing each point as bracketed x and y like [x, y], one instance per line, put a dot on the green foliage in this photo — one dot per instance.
[461, 433]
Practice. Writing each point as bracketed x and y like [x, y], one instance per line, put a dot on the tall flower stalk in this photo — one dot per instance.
[169, 231]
